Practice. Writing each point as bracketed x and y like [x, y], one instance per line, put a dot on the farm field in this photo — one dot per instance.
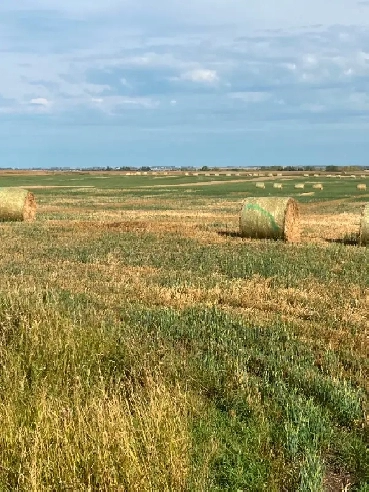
[146, 346]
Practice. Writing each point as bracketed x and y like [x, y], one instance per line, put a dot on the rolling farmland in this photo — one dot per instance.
[145, 345]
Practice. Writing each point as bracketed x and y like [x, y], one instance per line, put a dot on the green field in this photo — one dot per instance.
[145, 346]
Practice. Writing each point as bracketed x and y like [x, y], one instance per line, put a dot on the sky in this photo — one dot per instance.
[203, 82]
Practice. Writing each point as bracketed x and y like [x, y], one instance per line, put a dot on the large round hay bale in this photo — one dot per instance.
[17, 204]
[279, 186]
[299, 186]
[318, 186]
[260, 184]
[270, 218]
[361, 187]
[364, 226]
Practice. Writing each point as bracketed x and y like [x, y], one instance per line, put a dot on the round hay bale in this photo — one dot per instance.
[318, 186]
[259, 184]
[299, 186]
[361, 186]
[17, 204]
[270, 218]
[364, 226]
[278, 185]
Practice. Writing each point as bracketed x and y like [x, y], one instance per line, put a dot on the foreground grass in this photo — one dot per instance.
[136, 359]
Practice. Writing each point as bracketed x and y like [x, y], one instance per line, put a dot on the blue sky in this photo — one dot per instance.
[202, 82]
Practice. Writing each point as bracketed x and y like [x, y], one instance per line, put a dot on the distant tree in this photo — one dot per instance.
[332, 169]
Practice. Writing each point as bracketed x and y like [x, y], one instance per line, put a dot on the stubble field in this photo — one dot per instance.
[145, 346]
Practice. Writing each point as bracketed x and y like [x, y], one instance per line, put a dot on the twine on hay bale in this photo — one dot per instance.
[17, 204]
[260, 184]
[361, 186]
[364, 226]
[270, 218]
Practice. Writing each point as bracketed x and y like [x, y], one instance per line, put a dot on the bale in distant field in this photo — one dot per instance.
[270, 218]
[306, 175]
[318, 186]
[364, 226]
[278, 185]
[299, 186]
[361, 186]
[17, 204]
[259, 184]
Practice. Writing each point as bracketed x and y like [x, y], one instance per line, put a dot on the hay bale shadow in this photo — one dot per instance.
[229, 233]
[346, 240]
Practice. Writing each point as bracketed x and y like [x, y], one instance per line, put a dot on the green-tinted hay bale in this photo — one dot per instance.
[17, 204]
[364, 227]
[270, 218]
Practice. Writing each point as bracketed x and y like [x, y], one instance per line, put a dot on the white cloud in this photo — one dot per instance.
[250, 97]
[40, 101]
[200, 75]
[118, 104]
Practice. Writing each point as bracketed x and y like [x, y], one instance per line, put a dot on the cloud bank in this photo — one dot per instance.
[188, 68]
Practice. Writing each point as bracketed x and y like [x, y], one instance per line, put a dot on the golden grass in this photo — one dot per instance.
[140, 440]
